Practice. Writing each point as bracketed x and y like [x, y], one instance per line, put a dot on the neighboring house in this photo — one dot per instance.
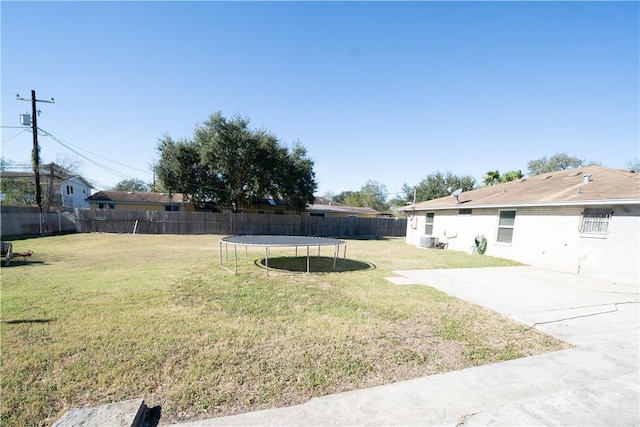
[58, 188]
[266, 206]
[583, 220]
[321, 207]
[327, 208]
[74, 191]
[129, 200]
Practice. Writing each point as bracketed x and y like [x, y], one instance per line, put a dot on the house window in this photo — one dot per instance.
[464, 211]
[106, 206]
[505, 226]
[69, 189]
[428, 223]
[595, 222]
[318, 214]
[171, 208]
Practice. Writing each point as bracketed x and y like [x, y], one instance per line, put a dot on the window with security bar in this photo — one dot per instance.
[595, 221]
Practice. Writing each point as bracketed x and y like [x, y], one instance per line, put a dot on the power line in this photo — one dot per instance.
[63, 142]
[106, 168]
[15, 136]
[69, 146]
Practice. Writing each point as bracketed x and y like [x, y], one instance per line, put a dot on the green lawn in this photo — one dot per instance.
[91, 319]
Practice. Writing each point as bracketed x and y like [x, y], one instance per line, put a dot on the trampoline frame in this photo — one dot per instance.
[274, 241]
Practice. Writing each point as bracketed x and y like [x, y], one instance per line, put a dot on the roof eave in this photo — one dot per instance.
[526, 204]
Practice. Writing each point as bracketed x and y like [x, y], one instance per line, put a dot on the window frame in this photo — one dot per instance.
[502, 226]
[429, 224]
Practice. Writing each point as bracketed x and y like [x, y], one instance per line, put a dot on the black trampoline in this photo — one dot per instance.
[269, 241]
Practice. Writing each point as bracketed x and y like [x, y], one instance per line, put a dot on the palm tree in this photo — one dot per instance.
[511, 176]
[491, 178]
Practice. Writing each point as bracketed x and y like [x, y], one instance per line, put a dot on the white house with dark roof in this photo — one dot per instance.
[584, 220]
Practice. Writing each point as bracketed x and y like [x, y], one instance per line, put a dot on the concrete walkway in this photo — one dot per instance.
[595, 383]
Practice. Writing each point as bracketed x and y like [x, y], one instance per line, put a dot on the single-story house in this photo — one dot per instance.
[327, 208]
[266, 206]
[583, 220]
[321, 207]
[145, 201]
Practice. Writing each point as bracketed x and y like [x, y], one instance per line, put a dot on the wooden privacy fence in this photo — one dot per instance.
[31, 221]
[156, 222]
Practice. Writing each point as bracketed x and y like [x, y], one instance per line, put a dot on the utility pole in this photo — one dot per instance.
[35, 155]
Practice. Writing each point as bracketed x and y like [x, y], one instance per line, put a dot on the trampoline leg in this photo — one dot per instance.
[344, 259]
[235, 259]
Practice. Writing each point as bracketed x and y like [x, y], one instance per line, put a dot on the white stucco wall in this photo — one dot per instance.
[546, 237]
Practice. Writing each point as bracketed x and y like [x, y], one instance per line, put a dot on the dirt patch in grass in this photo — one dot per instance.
[102, 318]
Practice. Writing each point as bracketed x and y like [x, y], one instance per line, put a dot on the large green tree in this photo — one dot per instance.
[18, 191]
[131, 184]
[433, 186]
[371, 195]
[557, 162]
[229, 164]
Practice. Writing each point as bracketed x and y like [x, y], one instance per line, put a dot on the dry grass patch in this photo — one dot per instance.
[98, 318]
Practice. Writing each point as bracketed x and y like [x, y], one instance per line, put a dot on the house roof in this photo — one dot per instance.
[9, 174]
[80, 179]
[562, 188]
[134, 197]
[59, 174]
[322, 204]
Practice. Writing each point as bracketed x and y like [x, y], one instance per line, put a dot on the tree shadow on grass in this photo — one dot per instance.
[316, 264]
[19, 262]
[20, 321]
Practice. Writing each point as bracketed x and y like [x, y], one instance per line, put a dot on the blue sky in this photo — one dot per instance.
[383, 91]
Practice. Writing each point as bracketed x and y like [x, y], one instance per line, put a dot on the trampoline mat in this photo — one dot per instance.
[271, 240]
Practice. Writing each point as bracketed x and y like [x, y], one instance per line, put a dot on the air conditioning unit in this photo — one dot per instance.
[428, 241]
